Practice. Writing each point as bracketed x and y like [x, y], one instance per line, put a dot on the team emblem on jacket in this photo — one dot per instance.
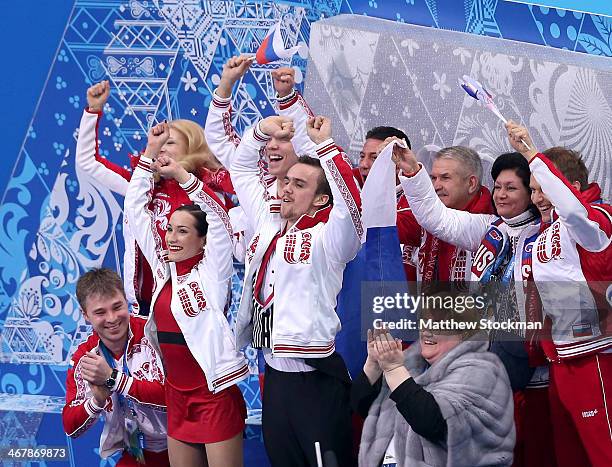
[186, 302]
[551, 237]
[491, 245]
[496, 235]
[305, 247]
[252, 247]
[161, 212]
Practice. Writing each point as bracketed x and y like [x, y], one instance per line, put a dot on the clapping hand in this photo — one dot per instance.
[389, 352]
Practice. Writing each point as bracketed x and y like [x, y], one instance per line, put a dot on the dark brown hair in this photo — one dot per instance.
[199, 216]
[570, 164]
[98, 281]
[323, 187]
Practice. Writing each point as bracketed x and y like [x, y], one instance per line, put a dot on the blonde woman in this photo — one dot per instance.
[186, 144]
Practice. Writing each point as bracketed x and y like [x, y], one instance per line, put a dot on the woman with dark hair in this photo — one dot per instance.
[188, 325]
[499, 239]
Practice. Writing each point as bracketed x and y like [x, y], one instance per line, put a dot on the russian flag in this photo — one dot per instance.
[377, 270]
[272, 48]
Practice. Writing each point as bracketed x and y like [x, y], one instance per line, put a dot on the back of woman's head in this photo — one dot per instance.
[199, 216]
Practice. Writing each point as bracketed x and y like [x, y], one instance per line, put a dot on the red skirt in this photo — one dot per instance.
[199, 416]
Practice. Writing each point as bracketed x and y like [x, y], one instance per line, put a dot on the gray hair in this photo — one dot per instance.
[466, 157]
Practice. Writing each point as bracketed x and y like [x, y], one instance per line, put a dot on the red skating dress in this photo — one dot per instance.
[195, 414]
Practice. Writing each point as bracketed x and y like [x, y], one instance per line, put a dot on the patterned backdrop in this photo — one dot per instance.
[164, 58]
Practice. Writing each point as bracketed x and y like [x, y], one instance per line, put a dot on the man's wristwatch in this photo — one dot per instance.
[110, 382]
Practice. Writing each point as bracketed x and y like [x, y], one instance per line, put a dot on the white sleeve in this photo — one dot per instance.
[590, 227]
[220, 135]
[245, 174]
[343, 230]
[295, 107]
[218, 248]
[460, 228]
[140, 217]
[88, 161]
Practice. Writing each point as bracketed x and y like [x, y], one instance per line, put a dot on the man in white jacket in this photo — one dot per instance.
[294, 267]
[278, 154]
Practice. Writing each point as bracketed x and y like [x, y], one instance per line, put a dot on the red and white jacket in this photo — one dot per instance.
[200, 298]
[166, 198]
[223, 141]
[466, 231]
[144, 388]
[452, 263]
[310, 257]
[572, 258]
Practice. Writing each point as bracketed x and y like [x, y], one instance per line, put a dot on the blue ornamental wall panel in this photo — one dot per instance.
[163, 59]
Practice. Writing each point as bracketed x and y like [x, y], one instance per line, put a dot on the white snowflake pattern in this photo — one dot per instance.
[189, 81]
[463, 54]
[193, 112]
[440, 84]
[411, 44]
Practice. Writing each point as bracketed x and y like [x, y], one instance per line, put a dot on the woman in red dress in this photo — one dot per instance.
[206, 410]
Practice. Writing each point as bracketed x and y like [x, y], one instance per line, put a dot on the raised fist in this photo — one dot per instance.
[97, 96]
[158, 135]
[233, 70]
[284, 80]
[319, 129]
[169, 168]
[278, 127]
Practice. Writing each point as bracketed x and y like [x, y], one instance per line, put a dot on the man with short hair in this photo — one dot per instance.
[456, 174]
[116, 372]
[293, 273]
[280, 153]
[277, 156]
[571, 265]
[371, 147]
